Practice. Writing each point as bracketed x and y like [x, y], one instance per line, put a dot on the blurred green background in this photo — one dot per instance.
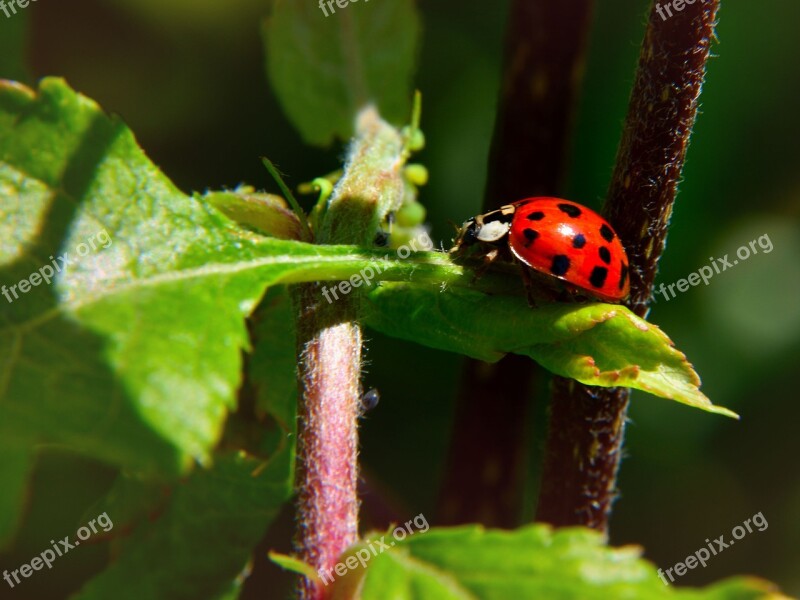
[188, 78]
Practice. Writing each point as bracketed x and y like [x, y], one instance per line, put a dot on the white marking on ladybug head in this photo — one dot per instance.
[493, 231]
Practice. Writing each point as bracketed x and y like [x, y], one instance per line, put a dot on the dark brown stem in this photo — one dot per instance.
[586, 425]
[544, 61]
[544, 55]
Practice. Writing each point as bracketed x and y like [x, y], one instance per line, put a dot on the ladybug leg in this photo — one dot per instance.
[488, 259]
[567, 295]
[573, 295]
[541, 290]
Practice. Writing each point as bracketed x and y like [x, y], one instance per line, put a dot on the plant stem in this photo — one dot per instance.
[329, 343]
[329, 356]
[544, 53]
[587, 424]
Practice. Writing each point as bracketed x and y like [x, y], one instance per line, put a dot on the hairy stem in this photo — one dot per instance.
[329, 357]
[543, 64]
[329, 345]
[587, 424]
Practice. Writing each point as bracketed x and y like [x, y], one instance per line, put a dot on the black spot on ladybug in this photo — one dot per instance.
[598, 276]
[623, 274]
[535, 216]
[572, 210]
[605, 255]
[606, 232]
[579, 241]
[560, 264]
[530, 236]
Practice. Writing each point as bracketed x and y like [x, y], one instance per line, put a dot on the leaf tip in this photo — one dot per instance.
[293, 564]
[721, 410]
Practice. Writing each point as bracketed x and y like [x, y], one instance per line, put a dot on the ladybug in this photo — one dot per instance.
[555, 238]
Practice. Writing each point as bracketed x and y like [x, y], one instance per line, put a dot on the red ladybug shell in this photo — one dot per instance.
[566, 240]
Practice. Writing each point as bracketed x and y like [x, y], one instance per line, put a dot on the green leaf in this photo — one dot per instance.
[232, 593]
[266, 214]
[132, 354]
[467, 563]
[16, 465]
[271, 374]
[132, 501]
[325, 69]
[197, 542]
[273, 365]
[596, 344]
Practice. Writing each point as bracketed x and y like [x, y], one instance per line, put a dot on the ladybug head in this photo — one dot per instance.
[467, 234]
[491, 228]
